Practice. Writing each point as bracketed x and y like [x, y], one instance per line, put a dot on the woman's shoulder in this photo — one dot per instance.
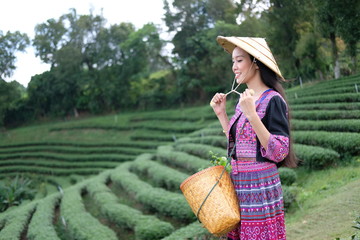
[275, 97]
[275, 94]
[272, 100]
[277, 101]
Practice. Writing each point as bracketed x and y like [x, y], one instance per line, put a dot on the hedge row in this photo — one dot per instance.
[288, 176]
[55, 164]
[325, 114]
[41, 226]
[207, 132]
[157, 136]
[81, 224]
[156, 199]
[69, 157]
[348, 88]
[16, 221]
[188, 114]
[328, 84]
[326, 106]
[331, 98]
[217, 141]
[91, 126]
[290, 194]
[216, 124]
[146, 227]
[75, 150]
[97, 144]
[64, 182]
[343, 143]
[189, 163]
[189, 117]
[339, 125]
[171, 126]
[49, 171]
[200, 150]
[313, 157]
[192, 231]
[160, 175]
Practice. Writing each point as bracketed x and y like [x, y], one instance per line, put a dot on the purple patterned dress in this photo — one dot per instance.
[254, 170]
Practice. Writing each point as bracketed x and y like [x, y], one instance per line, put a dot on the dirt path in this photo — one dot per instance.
[331, 218]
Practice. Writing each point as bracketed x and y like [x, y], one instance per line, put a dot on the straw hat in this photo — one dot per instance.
[257, 47]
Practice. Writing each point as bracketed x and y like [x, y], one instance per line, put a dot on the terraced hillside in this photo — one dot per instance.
[61, 154]
[139, 161]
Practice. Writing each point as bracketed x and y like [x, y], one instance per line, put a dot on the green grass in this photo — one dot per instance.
[329, 202]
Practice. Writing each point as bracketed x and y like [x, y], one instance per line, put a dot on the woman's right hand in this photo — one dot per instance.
[218, 103]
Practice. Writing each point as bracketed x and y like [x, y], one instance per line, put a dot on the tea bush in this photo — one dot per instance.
[80, 223]
[41, 226]
[313, 157]
[288, 176]
[160, 175]
[155, 199]
[146, 227]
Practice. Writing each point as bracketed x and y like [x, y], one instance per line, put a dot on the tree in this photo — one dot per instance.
[53, 92]
[10, 43]
[10, 93]
[80, 47]
[314, 58]
[348, 22]
[191, 20]
[283, 16]
[327, 13]
[56, 44]
[49, 37]
[92, 66]
[141, 57]
[192, 16]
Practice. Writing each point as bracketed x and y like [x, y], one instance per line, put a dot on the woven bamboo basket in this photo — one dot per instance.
[220, 212]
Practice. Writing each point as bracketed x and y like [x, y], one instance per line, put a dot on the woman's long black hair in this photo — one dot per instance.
[271, 80]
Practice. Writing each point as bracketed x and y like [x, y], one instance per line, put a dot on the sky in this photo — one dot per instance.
[24, 15]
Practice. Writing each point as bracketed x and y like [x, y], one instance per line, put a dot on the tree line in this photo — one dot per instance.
[99, 69]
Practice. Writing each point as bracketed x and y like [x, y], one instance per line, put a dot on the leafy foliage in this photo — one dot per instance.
[99, 69]
[14, 191]
[288, 176]
[10, 43]
[220, 161]
[10, 95]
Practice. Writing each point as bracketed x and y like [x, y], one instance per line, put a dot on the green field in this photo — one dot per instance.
[118, 176]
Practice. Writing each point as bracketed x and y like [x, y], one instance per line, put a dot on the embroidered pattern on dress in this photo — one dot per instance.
[277, 149]
[246, 143]
[257, 184]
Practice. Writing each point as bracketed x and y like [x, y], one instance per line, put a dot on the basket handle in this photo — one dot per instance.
[217, 182]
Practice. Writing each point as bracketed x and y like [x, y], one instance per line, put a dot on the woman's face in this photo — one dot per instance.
[241, 65]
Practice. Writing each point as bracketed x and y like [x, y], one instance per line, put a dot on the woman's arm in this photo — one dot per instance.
[224, 121]
[218, 103]
[277, 122]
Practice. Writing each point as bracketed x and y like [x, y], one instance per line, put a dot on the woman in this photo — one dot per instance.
[260, 133]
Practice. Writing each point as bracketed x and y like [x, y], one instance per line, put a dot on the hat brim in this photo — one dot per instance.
[257, 47]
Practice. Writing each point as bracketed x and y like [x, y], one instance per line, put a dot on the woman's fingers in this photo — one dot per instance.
[218, 98]
[247, 93]
[252, 92]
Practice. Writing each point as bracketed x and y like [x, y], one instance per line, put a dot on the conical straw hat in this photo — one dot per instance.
[257, 47]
